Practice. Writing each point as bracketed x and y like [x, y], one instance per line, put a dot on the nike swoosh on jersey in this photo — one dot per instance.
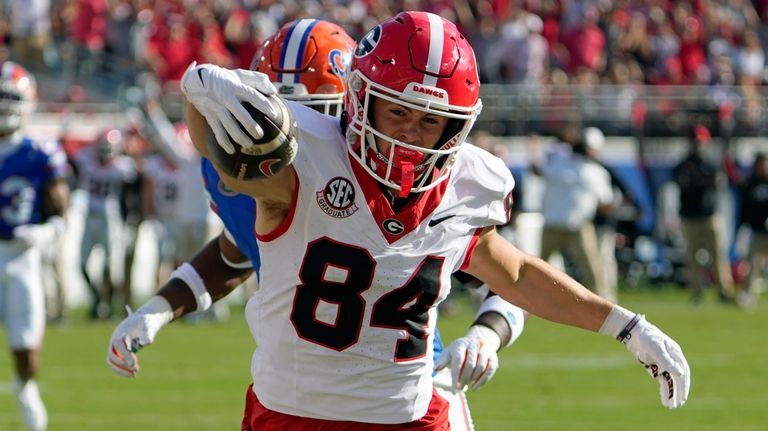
[436, 221]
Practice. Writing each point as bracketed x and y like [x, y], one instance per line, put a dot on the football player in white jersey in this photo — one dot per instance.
[315, 79]
[159, 193]
[307, 61]
[33, 200]
[102, 171]
[361, 230]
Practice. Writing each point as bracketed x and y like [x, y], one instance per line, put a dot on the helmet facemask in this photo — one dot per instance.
[406, 168]
[326, 103]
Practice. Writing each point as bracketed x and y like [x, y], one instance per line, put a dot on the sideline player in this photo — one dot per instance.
[33, 200]
[102, 171]
[346, 312]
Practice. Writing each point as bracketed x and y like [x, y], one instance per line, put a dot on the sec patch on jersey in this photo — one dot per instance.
[268, 155]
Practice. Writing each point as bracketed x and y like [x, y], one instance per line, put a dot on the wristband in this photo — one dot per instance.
[191, 278]
[625, 333]
[513, 315]
[247, 264]
[616, 323]
[157, 306]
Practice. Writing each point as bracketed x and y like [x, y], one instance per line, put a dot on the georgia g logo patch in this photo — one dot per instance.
[368, 43]
[337, 199]
[393, 226]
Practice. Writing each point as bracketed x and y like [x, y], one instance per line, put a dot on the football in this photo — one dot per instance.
[268, 155]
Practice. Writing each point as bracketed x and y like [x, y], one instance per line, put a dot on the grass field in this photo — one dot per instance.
[554, 378]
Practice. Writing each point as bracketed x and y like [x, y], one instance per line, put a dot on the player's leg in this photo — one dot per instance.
[117, 295]
[25, 322]
[549, 242]
[587, 255]
[606, 239]
[721, 264]
[129, 250]
[692, 233]
[91, 229]
[458, 409]
[758, 251]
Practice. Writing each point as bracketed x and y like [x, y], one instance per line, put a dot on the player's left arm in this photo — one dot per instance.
[56, 199]
[544, 291]
[218, 269]
[473, 358]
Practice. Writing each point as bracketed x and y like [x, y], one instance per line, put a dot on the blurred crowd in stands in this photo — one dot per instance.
[533, 42]
[643, 68]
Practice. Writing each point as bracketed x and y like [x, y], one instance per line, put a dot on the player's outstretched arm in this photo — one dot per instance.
[549, 293]
[473, 358]
[229, 135]
[212, 274]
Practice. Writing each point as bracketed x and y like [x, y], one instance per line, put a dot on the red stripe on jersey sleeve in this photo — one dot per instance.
[471, 249]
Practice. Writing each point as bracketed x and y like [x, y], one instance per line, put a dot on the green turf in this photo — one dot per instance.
[555, 378]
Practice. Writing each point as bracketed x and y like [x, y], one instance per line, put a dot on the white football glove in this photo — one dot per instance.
[134, 332]
[660, 354]
[218, 94]
[472, 358]
[40, 235]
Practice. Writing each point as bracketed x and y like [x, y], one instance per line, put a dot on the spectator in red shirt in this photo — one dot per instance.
[586, 44]
[693, 56]
[240, 36]
[87, 34]
[170, 58]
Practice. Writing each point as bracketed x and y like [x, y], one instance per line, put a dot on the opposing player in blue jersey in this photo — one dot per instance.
[33, 200]
[307, 60]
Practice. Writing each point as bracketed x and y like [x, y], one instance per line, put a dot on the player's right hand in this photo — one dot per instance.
[472, 358]
[40, 235]
[219, 93]
[134, 332]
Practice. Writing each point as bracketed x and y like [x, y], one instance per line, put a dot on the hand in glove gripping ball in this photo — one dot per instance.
[251, 131]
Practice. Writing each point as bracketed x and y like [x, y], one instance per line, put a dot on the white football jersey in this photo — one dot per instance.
[103, 182]
[345, 314]
[166, 181]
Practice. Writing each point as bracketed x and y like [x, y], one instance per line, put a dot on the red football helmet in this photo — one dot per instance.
[423, 62]
[18, 95]
[307, 60]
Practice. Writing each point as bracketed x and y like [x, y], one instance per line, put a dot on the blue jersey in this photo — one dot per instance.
[238, 213]
[25, 170]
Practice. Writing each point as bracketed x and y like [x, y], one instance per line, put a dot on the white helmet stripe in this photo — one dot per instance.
[293, 50]
[436, 43]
